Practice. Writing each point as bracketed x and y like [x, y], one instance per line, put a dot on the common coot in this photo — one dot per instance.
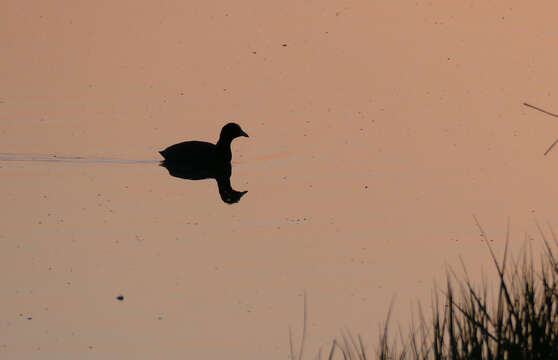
[201, 152]
[197, 160]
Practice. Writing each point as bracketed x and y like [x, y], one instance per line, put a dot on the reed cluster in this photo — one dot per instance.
[516, 319]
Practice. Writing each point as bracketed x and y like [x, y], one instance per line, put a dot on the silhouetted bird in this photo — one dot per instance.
[201, 152]
[198, 160]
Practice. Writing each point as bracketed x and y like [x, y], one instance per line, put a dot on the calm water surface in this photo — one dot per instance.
[372, 144]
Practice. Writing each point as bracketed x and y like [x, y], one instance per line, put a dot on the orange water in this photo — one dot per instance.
[377, 130]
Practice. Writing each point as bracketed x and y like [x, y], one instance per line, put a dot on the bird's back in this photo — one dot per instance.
[190, 151]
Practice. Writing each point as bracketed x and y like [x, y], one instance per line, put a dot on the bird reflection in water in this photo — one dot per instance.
[197, 160]
[218, 171]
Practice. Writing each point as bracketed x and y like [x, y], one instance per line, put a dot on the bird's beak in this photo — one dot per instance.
[242, 133]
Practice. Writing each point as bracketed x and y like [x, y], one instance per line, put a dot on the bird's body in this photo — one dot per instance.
[192, 152]
[201, 152]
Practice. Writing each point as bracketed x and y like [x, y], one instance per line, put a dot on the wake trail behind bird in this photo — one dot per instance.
[52, 158]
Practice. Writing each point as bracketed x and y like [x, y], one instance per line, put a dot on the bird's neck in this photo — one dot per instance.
[224, 149]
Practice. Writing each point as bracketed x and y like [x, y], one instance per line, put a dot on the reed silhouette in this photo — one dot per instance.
[199, 160]
[518, 319]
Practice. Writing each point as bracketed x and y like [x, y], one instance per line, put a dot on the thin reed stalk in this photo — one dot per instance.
[517, 320]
